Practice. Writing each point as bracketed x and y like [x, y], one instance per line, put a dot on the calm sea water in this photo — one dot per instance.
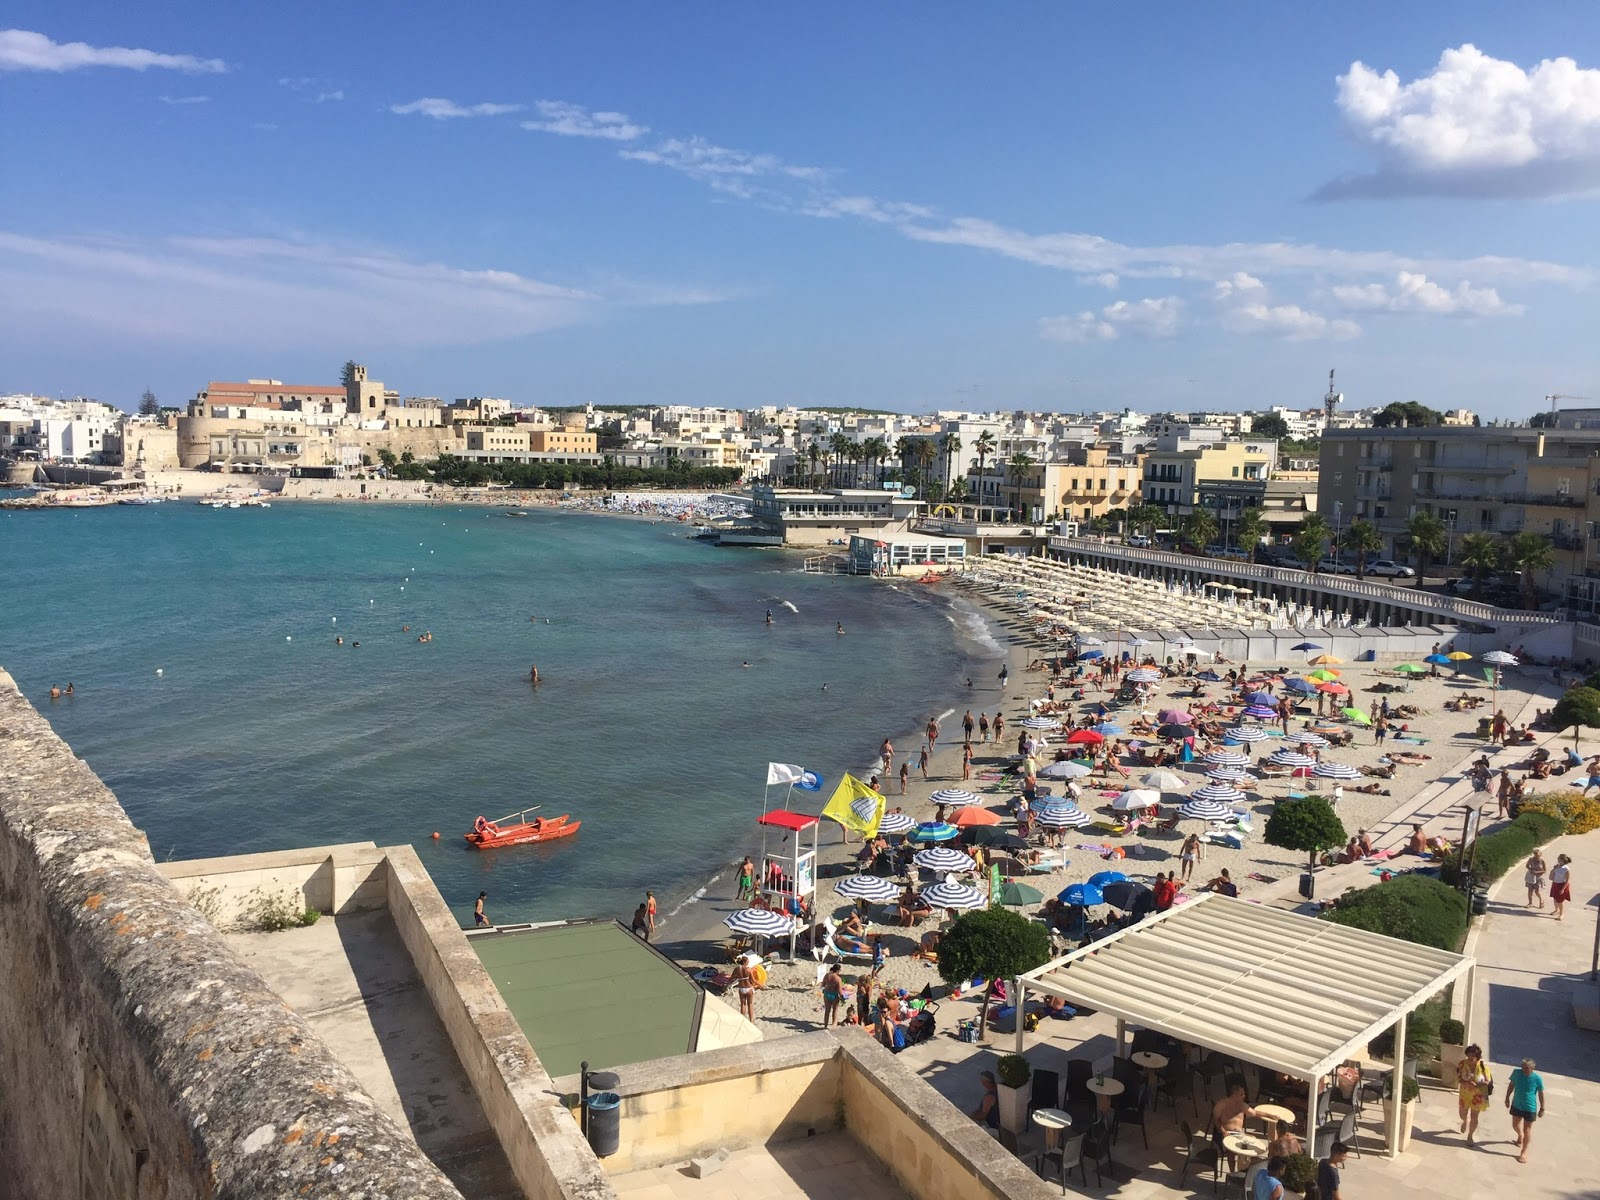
[261, 733]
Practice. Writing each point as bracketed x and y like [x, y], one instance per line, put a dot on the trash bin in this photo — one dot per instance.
[605, 1122]
[1308, 885]
[1480, 901]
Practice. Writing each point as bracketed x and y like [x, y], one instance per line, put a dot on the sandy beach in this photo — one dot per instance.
[791, 1000]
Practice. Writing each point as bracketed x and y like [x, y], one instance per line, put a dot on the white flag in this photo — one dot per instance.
[784, 773]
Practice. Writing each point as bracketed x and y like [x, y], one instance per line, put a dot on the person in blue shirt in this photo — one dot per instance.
[1268, 1183]
[1525, 1100]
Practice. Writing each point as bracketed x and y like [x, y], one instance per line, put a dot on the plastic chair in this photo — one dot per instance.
[1133, 1113]
[1044, 1090]
[1079, 1072]
[1198, 1154]
[1068, 1155]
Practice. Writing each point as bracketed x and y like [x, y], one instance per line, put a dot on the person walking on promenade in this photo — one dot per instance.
[1533, 879]
[479, 917]
[1472, 1089]
[1560, 884]
[983, 727]
[1525, 1102]
[966, 727]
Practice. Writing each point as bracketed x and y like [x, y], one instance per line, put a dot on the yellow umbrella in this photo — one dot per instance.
[1458, 656]
[1324, 659]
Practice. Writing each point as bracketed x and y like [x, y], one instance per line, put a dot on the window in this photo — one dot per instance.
[1338, 478]
[1236, 472]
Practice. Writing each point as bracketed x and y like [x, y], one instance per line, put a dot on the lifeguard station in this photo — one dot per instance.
[788, 873]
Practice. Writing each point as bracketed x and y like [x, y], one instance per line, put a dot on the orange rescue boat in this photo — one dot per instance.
[516, 830]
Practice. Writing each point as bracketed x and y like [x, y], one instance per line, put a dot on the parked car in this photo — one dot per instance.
[1390, 569]
[1139, 540]
[1333, 566]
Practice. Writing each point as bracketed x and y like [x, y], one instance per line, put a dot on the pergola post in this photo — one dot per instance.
[1019, 990]
[1396, 1089]
[1470, 983]
[1311, 1117]
[1122, 1034]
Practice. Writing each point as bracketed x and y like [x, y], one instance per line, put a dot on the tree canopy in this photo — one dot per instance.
[347, 373]
[991, 943]
[1578, 707]
[1408, 414]
[1308, 825]
[1270, 425]
[149, 406]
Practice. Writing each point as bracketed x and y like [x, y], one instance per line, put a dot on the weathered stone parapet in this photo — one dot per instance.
[139, 1056]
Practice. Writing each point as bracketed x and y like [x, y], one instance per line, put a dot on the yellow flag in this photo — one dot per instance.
[855, 806]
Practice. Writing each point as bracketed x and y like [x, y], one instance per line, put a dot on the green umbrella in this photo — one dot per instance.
[1020, 893]
[1356, 715]
[1412, 669]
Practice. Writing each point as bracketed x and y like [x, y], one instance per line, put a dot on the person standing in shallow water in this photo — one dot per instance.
[479, 917]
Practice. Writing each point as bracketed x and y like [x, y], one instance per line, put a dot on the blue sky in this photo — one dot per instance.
[910, 207]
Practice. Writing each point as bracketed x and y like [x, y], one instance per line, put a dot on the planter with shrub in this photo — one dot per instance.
[1299, 1173]
[1452, 1048]
[1011, 1076]
[1410, 1090]
[1413, 908]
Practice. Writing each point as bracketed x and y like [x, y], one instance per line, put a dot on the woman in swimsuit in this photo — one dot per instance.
[744, 979]
[832, 994]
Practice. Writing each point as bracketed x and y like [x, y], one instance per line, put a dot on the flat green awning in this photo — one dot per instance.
[591, 990]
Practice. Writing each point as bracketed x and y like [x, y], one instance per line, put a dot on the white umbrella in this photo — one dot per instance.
[1246, 733]
[1090, 641]
[944, 858]
[1065, 769]
[759, 922]
[1222, 793]
[1499, 658]
[1137, 641]
[1205, 810]
[896, 823]
[950, 894]
[1164, 780]
[1306, 738]
[1037, 723]
[1333, 770]
[1143, 675]
[955, 797]
[1136, 798]
[867, 887]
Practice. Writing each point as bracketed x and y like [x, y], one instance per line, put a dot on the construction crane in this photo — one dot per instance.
[1561, 396]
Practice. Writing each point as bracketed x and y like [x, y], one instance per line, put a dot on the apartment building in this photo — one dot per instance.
[1087, 483]
[1192, 466]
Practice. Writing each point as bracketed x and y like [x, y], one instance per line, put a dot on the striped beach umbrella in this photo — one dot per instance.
[1037, 723]
[874, 888]
[1245, 733]
[934, 831]
[1333, 770]
[1221, 793]
[1066, 769]
[1227, 775]
[1304, 737]
[953, 797]
[944, 858]
[759, 922]
[895, 823]
[1205, 810]
[1292, 759]
[1499, 658]
[1226, 758]
[948, 893]
[1260, 712]
[1065, 817]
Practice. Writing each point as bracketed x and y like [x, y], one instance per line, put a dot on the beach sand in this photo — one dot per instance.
[791, 1000]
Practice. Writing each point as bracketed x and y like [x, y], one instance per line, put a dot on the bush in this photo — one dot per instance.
[1452, 1032]
[1306, 825]
[1413, 908]
[1576, 812]
[1410, 1089]
[1495, 854]
[1012, 1070]
[1299, 1172]
[991, 943]
[1422, 1032]
[1578, 707]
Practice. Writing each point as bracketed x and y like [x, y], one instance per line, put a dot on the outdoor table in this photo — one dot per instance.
[1273, 1115]
[1244, 1145]
[1151, 1062]
[1052, 1121]
[1105, 1087]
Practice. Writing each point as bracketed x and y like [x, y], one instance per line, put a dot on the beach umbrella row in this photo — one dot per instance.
[944, 858]
[953, 797]
[872, 888]
[949, 893]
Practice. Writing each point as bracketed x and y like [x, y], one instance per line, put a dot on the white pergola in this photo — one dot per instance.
[1291, 993]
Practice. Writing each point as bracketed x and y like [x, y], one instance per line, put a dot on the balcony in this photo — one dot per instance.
[1551, 500]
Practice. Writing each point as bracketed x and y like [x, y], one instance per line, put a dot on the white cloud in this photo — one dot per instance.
[184, 99]
[1239, 284]
[1106, 279]
[1288, 321]
[1476, 125]
[313, 91]
[573, 120]
[444, 110]
[24, 50]
[737, 172]
[273, 292]
[1415, 292]
[1158, 317]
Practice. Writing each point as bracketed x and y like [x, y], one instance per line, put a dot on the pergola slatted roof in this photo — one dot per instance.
[1292, 993]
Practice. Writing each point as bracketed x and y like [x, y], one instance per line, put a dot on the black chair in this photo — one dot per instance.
[1170, 1080]
[1349, 1134]
[1198, 1154]
[1097, 1146]
[1079, 1072]
[1213, 1067]
[1127, 1072]
[1044, 1090]
[1066, 1156]
[1148, 1039]
[1135, 1101]
[1324, 1142]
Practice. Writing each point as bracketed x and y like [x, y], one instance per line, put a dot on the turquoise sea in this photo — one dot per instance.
[260, 732]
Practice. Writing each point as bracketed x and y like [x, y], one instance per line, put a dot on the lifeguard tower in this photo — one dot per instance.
[788, 874]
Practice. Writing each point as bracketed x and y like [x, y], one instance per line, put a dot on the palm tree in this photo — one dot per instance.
[840, 445]
[950, 445]
[958, 491]
[813, 454]
[1311, 539]
[1526, 553]
[985, 446]
[1116, 518]
[924, 452]
[1480, 554]
[1199, 528]
[1429, 539]
[1146, 516]
[876, 451]
[1363, 539]
[1017, 467]
[1247, 530]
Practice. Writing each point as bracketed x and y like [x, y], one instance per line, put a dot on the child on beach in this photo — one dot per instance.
[905, 774]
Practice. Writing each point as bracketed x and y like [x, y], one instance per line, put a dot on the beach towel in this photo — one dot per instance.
[1094, 847]
[1260, 878]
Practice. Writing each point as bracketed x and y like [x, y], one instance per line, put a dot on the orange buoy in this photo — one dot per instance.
[434, 835]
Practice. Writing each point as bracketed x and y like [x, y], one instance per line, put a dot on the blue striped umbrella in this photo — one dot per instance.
[944, 858]
[1333, 770]
[1260, 712]
[1037, 723]
[950, 894]
[953, 797]
[867, 887]
[1069, 817]
[934, 831]
[1227, 774]
[895, 823]
[1245, 733]
[1222, 793]
[1107, 729]
[759, 922]
[1205, 810]
[1085, 895]
[1226, 758]
[1292, 758]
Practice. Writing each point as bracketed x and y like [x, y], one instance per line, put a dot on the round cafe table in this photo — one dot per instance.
[1151, 1062]
[1105, 1087]
[1244, 1146]
[1275, 1115]
[1052, 1121]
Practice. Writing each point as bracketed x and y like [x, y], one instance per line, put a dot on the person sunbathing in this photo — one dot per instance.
[1382, 772]
[1418, 843]
[1363, 841]
[1369, 789]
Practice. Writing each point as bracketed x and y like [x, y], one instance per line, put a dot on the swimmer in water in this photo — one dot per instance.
[745, 664]
[354, 644]
[338, 641]
[405, 629]
[769, 616]
[533, 674]
[840, 628]
[69, 689]
[55, 692]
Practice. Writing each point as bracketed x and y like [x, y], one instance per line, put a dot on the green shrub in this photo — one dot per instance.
[1495, 854]
[1422, 1032]
[1410, 1089]
[1543, 816]
[1452, 1032]
[1306, 825]
[1012, 1070]
[1413, 908]
[1299, 1172]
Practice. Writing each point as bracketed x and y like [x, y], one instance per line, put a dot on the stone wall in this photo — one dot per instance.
[330, 879]
[139, 1056]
